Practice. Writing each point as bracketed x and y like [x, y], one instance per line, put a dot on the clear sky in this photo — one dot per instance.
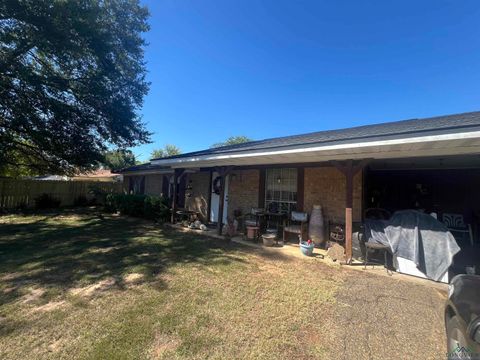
[271, 68]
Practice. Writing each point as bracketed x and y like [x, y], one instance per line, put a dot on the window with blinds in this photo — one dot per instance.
[281, 190]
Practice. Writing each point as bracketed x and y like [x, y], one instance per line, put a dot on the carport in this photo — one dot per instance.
[445, 186]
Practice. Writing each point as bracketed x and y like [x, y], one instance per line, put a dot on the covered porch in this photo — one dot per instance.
[346, 190]
[341, 171]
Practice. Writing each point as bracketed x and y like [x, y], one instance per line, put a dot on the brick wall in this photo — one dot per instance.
[325, 186]
[198, 199]
[243, 191]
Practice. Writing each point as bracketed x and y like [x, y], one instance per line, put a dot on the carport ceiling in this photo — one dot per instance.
[426, 163]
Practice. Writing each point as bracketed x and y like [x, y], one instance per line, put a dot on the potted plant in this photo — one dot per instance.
[306, 247]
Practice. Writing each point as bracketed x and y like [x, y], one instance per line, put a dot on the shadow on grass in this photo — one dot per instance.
[60, 253]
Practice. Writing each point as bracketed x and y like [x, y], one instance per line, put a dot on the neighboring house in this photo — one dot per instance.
[431, 164]
[49, 178]
[103, 175]
[98, 175]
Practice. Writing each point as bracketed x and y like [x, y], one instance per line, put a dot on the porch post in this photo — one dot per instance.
[177, 174]
[209, 196]
[348, 211]
[222, 172]
[349, 171]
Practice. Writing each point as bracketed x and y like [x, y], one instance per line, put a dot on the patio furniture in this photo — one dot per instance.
[252, 219]
[456, 224]
[184, 214]
[336, 232]
[253, 233]
[296, 224]
[372, 246]
[273, 220]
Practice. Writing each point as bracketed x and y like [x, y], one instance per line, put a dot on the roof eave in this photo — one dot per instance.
[374, 148]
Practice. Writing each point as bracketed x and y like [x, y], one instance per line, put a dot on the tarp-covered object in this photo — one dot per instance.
[418, 237]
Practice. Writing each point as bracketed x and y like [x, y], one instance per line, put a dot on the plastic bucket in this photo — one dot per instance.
[306, 249]
[268, 239]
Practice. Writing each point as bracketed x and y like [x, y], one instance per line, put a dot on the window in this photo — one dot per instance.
[136, 185]
[281, 190]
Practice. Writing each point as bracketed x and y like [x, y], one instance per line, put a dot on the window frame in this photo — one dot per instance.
[283, 191]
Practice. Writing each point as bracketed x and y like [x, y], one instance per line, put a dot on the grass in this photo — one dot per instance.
[78, 286]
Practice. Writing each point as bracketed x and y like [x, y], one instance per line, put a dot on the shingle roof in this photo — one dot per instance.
[142, 167]
[398, 129]
[98, 174]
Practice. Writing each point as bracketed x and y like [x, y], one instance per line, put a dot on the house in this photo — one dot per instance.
[103, 175]
[432, 164]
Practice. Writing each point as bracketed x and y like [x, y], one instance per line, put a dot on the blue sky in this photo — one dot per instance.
[271, 68]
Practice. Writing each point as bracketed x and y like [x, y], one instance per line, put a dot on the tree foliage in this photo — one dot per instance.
[167, 150]
[233, 140]
[72, 79]
[118, 159]
[14, 168]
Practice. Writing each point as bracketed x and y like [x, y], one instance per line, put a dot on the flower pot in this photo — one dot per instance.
[252, 232]
[307, 249]
[268, 239]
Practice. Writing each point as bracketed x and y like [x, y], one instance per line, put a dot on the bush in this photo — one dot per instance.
[98, 193]
[146, 206]
[47, 201]
[110, 203]
[156, 207]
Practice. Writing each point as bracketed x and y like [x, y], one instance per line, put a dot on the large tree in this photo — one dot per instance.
[118, 159]
[167, 150]
[72, 81]
[233, 140]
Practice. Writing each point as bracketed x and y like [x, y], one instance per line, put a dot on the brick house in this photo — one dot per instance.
[431, 164]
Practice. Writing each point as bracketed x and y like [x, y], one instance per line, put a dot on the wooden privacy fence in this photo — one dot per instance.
[22, 193]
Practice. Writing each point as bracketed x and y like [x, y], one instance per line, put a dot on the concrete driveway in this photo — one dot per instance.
[379, 317]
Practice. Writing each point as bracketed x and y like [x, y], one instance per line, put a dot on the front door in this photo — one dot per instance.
[215, 200]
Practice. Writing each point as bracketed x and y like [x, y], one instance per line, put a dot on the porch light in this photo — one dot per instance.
[279, 180]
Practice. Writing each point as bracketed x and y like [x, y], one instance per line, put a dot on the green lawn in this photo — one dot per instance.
[77, 286]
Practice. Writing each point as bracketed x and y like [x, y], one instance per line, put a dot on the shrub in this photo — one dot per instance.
[156, 207]
[146, 206]
[110, 203]
[98, 193]
[46, 201]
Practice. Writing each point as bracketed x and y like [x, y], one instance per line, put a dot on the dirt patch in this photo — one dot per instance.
[33, 295]
[92, 290]
[162, 344]
[69, 217]
[103, 250]
[134, 278]
[55, 346]
[11, 276]
[53, 305]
